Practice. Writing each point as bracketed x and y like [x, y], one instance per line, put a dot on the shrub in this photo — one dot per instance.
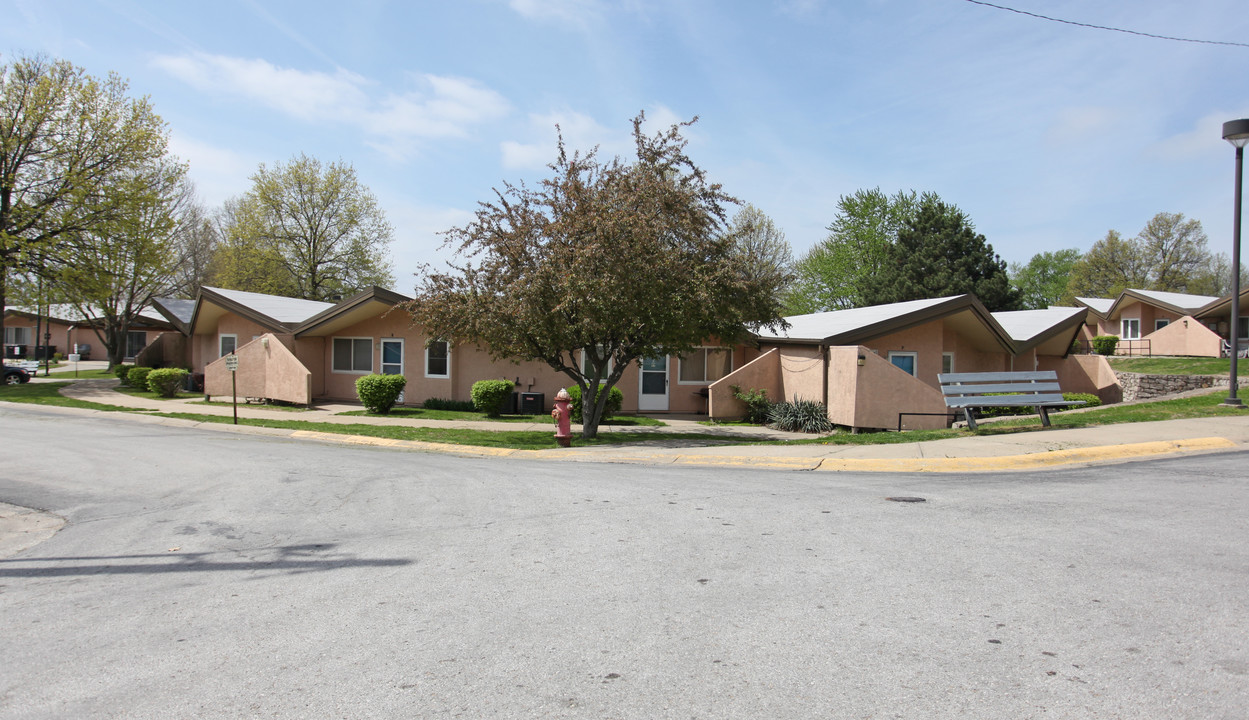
[800, 415]
[137, 377]
[615, 400]
[445, 404]
[122, 372]
[1090, 400]
[1105, 344]
[489, 395]
[757, 404]
[379, 393]
[57, 357]
[1076, 347]
[166, 382]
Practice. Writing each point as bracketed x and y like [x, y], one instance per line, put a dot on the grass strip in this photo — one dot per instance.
[1178, 365]
[410, 413]
[49, 394]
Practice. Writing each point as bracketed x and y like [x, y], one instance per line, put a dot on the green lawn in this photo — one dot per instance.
[1178, 365]
[153, 396]
[1199, 406]
[425, 414]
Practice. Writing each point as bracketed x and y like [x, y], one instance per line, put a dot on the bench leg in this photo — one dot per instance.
[971, 418]
[1045, 416]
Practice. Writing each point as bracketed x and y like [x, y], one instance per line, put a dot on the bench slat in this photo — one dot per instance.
[999, 388]
[1006, 401]
[946, 378]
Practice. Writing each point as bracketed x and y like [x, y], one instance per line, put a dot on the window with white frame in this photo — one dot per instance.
[600, 350]
[704, 365]
[905, 361]
[947, 362]
[226, 344]
[1161, 323]
[17, 336]
[438, 359]
[1130, 328]
[353, 355]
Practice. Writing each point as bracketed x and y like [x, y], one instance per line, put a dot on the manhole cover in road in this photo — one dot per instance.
[906, 499]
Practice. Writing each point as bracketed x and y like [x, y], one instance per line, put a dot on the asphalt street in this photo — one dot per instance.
[204, 574]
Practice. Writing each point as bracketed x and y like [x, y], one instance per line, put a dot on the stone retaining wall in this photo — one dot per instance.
[1137, 386]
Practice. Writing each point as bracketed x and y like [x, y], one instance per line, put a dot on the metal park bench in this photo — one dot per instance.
[969, 391]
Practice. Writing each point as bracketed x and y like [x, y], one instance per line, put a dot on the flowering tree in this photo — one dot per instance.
[601, 264]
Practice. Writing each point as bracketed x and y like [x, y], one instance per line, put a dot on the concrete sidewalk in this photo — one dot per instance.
[972, 453]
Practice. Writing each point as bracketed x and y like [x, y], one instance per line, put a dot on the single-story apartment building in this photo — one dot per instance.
[1151, 322]
[867, 364]
[66, 329]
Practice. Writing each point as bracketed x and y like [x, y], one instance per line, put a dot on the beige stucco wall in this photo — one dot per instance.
[761, 373]
[1085, 374]
[168, 349]
[1185, 336]
[872, 394]
[266, 369]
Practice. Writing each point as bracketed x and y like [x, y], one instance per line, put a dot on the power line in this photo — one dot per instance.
[1104, 27]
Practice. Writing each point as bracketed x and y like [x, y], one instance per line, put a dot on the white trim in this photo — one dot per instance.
[353, 371]
[428, 374]
[220, 337]
[650, 402]
[704, 348]
[906, 353]
[1125, 324]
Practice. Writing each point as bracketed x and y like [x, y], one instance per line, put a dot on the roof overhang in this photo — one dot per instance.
[211, 306]
[363, 306]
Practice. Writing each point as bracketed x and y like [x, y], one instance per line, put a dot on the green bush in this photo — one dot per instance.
[137, 377]
[379, 393]
[1105, 344]
[757, 404]
[1090, 400]
[800, 415]
[1076, 347]
[166, 382]
[615, 400]
[445, 404]
[122, 372]
[489, 395]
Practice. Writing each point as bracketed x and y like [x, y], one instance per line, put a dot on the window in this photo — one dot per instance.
[136, 340]
[1130, 328]
[227, 344]
[904, 361]
[353, 355]
[705, 365]
[438, 359]
[1160, 324]
[601, 350]
[17, 336]
[947, 362]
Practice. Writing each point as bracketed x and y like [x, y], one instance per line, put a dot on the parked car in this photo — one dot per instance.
[15, 375]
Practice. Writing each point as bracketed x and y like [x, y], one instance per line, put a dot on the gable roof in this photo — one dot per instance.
[1099, 306]
[71, 315]
[857, 325]
[369, 303]
[272, 312]
[1178, 303]
[1223, 306]
[1051, 331]
[176, 310]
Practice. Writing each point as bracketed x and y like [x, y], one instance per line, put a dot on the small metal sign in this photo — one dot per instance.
[232, 362]
[74, 357]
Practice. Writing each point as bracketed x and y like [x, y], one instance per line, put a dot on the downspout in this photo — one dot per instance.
[824, 357]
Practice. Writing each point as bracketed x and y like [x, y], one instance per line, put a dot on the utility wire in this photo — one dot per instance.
[1103, 27]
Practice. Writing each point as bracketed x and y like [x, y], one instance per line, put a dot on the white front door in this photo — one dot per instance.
[392, 358]
[653, 384]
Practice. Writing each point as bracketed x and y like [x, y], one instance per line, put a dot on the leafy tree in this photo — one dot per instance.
[1043, 281]
[1216, 277]
[600, 264]
[195, 242]
[763, 246]
[840, 271]
[1169, 254]
[64, 137]
[305, 229]
[114, 271]
[939, 253]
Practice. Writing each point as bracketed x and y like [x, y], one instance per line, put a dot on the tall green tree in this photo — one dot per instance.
[64, 138]
[600, 264]
[307, 229]
[1170, 253]
[762, 244]
[112, 272]
[1042, 282]
[840, 271]
[938, 254]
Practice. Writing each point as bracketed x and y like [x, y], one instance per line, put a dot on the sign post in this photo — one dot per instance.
[232, 364]
[74, 358]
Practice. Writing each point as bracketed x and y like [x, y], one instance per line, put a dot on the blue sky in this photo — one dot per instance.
[1047, 134]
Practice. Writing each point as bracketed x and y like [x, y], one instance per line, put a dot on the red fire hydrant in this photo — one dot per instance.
[563, 418]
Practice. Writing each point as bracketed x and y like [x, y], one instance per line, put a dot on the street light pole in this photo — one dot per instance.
[1236, 132]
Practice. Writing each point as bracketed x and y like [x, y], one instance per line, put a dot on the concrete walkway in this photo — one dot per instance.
[971, 453]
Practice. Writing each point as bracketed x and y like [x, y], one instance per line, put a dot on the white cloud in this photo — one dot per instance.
[440, 107]
[581, 133]
[1203, 140]
[218, 173]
